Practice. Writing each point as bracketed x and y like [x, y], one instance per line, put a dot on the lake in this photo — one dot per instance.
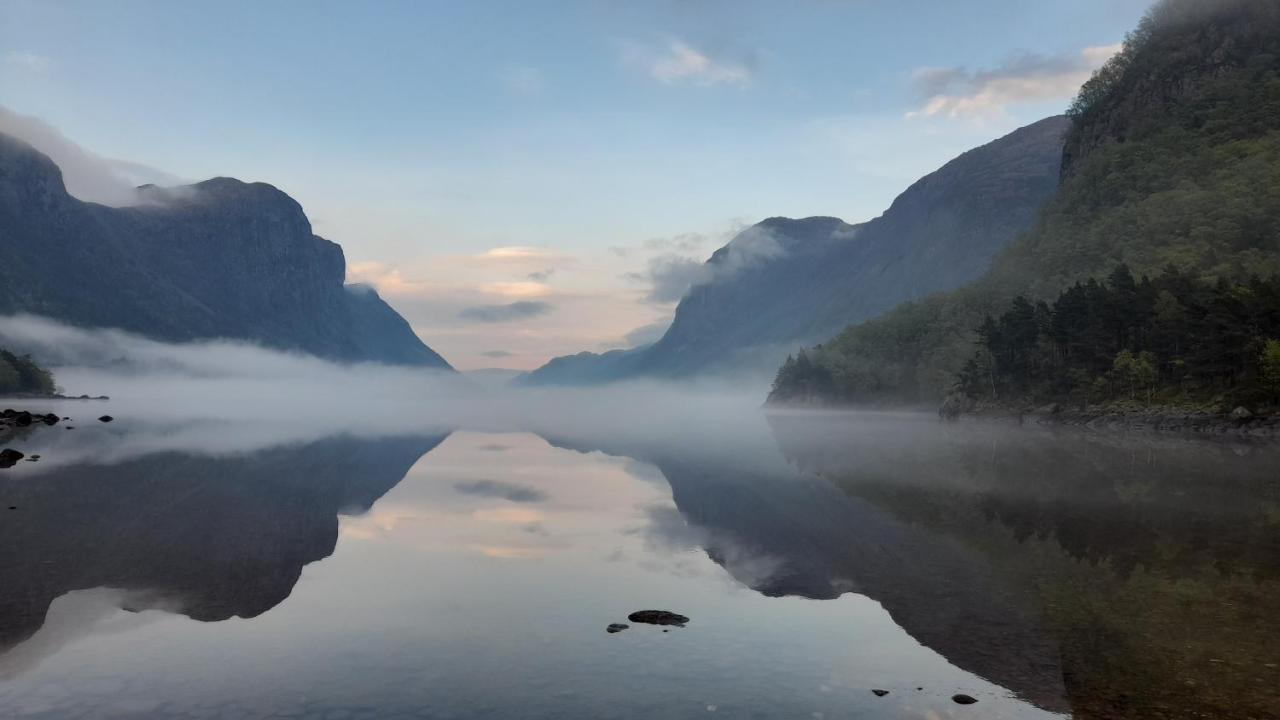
[254, 568]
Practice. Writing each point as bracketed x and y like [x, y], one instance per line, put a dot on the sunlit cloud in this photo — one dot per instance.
[509, 553]
[958, 92]
[519, 289]
[680, 62]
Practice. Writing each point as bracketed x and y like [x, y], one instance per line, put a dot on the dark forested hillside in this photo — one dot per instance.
[218, 259]
[786, 281]
[1172, 160]
[21, 374]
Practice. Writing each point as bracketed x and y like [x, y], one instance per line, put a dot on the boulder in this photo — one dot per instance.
[658, 617]
[50, 419]
[616, 628]
[105, 418]
[9, 457]
[880, 693]
[962, 699]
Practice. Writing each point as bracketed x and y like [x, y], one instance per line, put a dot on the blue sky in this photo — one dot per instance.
[470, 154]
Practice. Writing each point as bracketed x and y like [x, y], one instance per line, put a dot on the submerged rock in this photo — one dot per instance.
[963, 699]
[105, 418]
[880, 693]
[658, 617]
[616, 628]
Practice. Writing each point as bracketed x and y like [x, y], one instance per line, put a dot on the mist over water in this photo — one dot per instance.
[260, 533]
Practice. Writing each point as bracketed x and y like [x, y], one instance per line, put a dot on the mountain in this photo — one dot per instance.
[785, 282]
[218, 259]
[1172, 162]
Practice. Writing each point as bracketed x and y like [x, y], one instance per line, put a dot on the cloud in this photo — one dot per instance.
[28, 61]
[496, 354]
[515, 252]
[521, 310]
[958, 92]
[388, 280]
[522, 80]
[516, 289]
[507, 491]
[646, 334]
[671, 276]
[680, 62]
[541, 275]
[87, 176]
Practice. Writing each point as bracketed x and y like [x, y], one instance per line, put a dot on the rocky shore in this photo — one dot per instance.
[1203, 420]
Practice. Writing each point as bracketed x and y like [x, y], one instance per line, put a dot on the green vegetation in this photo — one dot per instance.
[1173, 160]
[1172, 338]
[22, 374]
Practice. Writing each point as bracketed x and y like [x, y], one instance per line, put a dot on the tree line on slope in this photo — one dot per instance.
[20, 374]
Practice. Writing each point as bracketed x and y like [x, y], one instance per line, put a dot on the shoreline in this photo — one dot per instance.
[1156, 419]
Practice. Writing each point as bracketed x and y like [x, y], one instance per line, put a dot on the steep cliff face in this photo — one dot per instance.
[804, 280]
[218, 259]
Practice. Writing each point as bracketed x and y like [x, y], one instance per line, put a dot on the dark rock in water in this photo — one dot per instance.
[50, 419]
[105, 418]
[963, 699]
[658, 617]
[35, 457]
[616, 628]
[8, 457]
[880, 693]
[70, 427]
[22, 419]
[8, 413]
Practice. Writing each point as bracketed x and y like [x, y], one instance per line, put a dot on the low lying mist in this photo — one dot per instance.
[224, 396]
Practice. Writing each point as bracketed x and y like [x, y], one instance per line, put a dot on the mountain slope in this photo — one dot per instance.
[1173, 159]
[218, 259]
[783, 282]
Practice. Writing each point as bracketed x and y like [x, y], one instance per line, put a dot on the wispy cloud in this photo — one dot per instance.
[511, 492]
[86, 174]
[670, 276]
[28, 61]
[496, 354]
[522, 80]
[679, 62]
[521, 310]
[958, 92]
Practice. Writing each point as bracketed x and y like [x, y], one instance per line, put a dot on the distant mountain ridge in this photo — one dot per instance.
[217, 259]
[824, 273]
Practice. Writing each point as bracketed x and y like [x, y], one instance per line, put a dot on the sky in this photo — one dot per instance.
[517, 178]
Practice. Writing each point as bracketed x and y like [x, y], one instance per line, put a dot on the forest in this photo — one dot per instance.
[20, 374]
[1171, 338]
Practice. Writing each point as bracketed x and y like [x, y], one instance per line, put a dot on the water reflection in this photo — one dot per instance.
[473, 574]
[210, 537]
[1150, 562]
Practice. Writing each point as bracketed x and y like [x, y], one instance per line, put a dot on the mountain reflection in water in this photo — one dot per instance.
[473, 574]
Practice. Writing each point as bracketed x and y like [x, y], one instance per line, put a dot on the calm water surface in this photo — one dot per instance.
[216, 571]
